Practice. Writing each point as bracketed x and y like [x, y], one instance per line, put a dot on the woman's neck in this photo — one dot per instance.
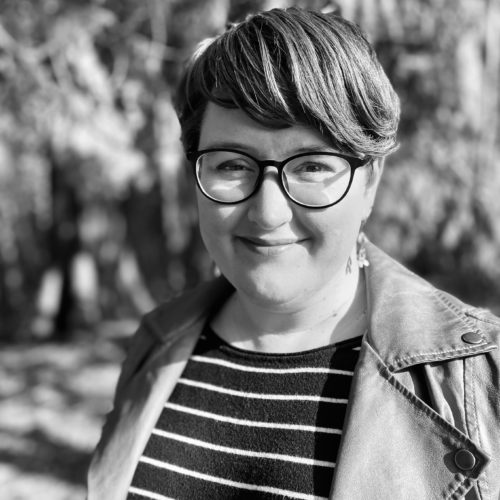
[333, 314]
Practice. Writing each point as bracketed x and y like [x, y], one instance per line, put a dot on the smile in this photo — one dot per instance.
[268, 247]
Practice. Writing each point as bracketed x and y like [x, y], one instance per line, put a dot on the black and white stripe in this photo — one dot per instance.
[241, 424]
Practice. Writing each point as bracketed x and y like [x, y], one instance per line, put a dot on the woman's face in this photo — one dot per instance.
[274, 251]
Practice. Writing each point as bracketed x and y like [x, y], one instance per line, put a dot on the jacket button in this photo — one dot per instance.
[472, 338]
[465, 460]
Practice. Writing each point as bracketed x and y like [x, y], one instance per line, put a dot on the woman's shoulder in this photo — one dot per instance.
[191, 306]
[169, 320]
[419, 315]
[385, 270]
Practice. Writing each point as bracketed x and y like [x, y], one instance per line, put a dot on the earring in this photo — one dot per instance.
[215, 270]
[361, 254]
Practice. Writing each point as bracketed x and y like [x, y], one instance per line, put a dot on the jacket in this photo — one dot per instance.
[423, 419]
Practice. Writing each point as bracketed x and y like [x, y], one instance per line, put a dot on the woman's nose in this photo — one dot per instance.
[269, 206]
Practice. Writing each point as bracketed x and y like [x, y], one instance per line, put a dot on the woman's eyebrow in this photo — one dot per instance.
[316, 148]
[255, 151]
[227, 145]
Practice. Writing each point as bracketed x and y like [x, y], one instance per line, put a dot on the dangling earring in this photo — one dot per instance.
[361, 255]
[215, 270]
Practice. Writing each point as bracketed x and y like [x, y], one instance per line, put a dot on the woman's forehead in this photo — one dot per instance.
[233, 128]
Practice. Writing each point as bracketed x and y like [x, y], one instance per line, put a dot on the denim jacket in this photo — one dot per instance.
[423, 419]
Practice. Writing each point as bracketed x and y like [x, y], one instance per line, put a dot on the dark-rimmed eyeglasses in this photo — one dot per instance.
[311, 179]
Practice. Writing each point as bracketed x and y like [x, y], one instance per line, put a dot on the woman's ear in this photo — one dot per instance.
[372, 182]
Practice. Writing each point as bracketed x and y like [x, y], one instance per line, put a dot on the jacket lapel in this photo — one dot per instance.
[394, 443]
[392, 440]
[171, 332]
[129, 425]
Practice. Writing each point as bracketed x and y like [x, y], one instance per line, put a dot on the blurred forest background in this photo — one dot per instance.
[97, 219]
[97, 215]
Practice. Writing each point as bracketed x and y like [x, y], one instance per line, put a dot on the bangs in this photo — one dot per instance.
[287, 67]
[244, 72]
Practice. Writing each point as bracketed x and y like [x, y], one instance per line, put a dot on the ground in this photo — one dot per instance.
[53, 398]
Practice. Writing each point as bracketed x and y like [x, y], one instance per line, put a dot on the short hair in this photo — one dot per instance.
[292, 66]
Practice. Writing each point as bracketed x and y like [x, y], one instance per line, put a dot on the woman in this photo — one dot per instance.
[315, 366]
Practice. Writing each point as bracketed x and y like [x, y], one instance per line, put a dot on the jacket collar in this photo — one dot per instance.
[411, 322]
[191, 309]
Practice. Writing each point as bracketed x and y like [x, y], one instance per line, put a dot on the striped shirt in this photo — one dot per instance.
[242, 424]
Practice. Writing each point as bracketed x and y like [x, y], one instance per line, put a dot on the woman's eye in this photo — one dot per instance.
[314, 172]
[233, 166]
[315, 167]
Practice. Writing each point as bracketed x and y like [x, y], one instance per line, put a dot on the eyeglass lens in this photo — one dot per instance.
[314, 180]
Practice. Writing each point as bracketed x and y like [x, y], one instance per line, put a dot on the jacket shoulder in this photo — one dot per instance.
[484, 318]
[186, 308]
[164, 323]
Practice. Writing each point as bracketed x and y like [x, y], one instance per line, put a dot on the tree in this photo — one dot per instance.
[97, 213]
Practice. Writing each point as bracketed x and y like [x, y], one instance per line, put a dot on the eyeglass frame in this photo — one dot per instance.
[353, 161]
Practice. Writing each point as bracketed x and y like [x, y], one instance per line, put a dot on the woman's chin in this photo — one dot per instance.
[269, 291]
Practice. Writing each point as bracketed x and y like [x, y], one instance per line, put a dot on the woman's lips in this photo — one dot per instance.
[268, 246]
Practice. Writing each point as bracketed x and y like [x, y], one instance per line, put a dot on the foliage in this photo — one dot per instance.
[438, 208]
[97, 215]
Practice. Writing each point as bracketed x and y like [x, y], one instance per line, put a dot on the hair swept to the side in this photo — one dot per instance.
[289, 66]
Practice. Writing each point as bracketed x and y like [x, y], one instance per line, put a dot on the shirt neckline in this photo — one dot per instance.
[219, 342]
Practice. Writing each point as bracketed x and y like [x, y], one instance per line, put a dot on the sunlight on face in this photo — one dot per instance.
[268, 247]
